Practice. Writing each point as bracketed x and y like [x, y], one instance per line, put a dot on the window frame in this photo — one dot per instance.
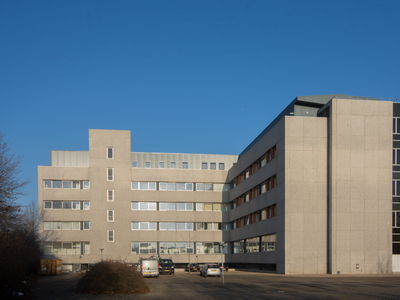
[112, 236]
[112, 217]
[110, 195]
[108, 152]
[110, 176]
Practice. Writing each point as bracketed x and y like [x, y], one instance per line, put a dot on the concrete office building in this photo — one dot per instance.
[310, 195]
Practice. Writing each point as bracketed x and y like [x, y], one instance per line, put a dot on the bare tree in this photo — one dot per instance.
[11, 186]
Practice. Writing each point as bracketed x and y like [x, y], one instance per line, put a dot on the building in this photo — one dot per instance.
[310, 195]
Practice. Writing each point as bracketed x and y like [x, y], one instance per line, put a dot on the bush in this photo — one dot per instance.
[110, 277]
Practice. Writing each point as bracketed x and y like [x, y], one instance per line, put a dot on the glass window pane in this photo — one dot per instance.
[56, 204]
[47, 184]
[180, 186]
[208, 187]
[76, 185]
[171, 206]
[144, 185]
[76, 205]
[189, 206]
[171, 186]
[217, 206]
[189, 186]
[143, 226]
[152, 186]
[56, 184]
[208, 206]
[199, 187]
[86, 225]
[171, 226]
[135, 185]
[67, 205]
[204, 166]
[47, 204]
[185, 165]
[161, 165]
[173, 165]
[163, 186]
[163, 206]
[199, 206]
[180, 226]
[66, 225]
[144, 206]
[221, 166]
[163, 226]
[47, 225]
[86, 185]
[180, 206]
[147, 164]
[134, 164]
[152, 206]
[213, 166]
[67, 184]
[76, 225]
[152, 226]
[135, 248]
[134, 205]
[135, 226]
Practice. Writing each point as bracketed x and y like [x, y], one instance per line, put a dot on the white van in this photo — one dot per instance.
[149, 267]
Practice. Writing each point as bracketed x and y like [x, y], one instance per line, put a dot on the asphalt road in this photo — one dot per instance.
[238, 285]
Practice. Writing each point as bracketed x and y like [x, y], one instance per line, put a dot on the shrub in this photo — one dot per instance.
[110, 277]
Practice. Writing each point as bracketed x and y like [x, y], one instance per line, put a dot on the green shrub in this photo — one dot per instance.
[110, 277]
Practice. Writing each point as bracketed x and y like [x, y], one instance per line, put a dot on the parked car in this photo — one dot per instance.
[149, 267]
[226, 268]
[166, 266]
[210, 270]
[192, 268]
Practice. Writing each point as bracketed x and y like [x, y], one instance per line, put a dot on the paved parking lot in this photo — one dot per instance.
[240, 285]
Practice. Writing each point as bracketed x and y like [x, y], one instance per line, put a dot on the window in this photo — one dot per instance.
[144, 206]
[57, 205]
[86, 185]
[185, 165]
[110, 153]
[66, 248]
[148, 248]
[171, 226]
[147, 164]
[143, 186]
[144, 226]
[213, 166]
[204, 166]
[57, 184]
[238, 247]
[221, 166]
[66, 184]
[161, 165]
[86, 205]
[200, 187]
[253, 245]
[110, 195]
[268, 242]
[173, 165]
[67, 205]
[110, 216]
[110, 174]
[86, 225]
[208, 187]
[134, 164]
[110, 235]
[76, 185]
[47, 205]
[199, 206]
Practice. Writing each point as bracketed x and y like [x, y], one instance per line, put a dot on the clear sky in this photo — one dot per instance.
[183, 76]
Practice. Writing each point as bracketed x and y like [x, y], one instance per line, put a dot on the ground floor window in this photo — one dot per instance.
[67, 248]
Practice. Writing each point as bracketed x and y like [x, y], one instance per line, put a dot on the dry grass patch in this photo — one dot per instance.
[110, 277]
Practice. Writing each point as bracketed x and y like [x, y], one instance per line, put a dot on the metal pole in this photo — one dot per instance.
[222, 263]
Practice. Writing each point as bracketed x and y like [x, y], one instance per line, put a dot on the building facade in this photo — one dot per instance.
[310, 195]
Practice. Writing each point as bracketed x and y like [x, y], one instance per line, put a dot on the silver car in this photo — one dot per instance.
[210, 270]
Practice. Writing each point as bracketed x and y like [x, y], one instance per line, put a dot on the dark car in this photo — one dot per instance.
[192, 268]
[166, 266]
[226, 268]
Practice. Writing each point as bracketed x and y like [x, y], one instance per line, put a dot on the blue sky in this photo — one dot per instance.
[183, 76]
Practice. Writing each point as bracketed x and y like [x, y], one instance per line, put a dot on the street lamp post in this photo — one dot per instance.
[221, 244]
[101, 249]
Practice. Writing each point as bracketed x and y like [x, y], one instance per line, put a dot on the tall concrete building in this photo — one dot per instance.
[310, 195]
